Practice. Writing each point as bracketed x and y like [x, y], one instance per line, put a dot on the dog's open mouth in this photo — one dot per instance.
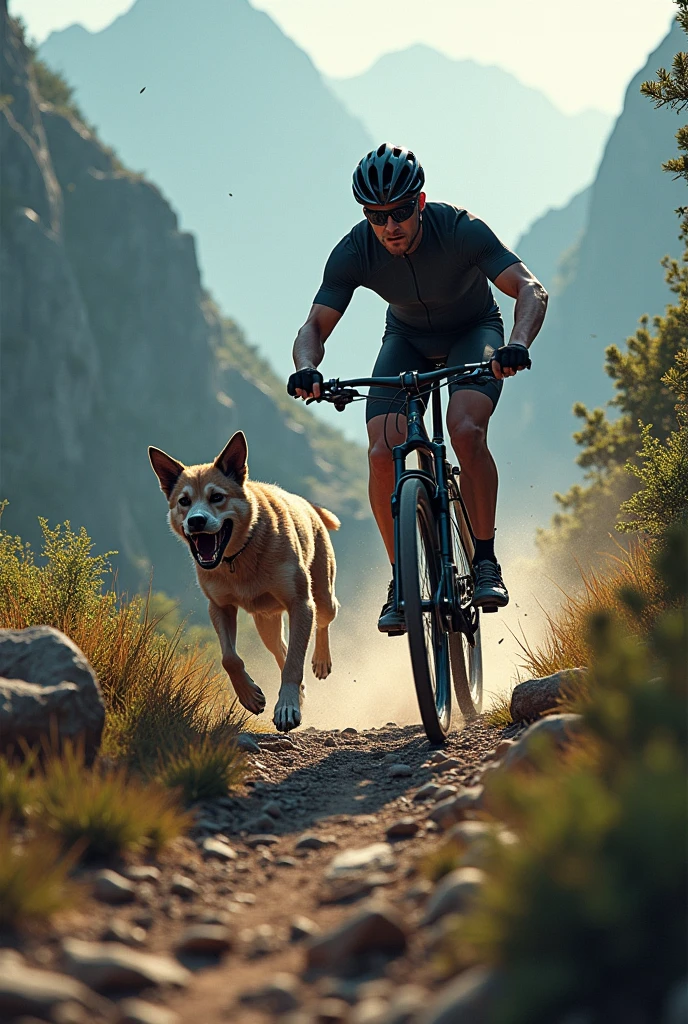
[208, 548]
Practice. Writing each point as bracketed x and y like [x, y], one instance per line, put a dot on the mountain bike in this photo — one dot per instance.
[434, 543]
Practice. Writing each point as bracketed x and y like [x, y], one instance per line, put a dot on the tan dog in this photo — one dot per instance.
[260, 548]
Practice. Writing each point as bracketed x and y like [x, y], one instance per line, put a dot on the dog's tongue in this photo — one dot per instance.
[205, 545]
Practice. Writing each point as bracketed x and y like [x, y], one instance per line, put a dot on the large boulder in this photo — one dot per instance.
[48, 691]
[534, 697]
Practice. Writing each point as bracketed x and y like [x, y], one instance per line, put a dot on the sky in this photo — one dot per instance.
[580, 54]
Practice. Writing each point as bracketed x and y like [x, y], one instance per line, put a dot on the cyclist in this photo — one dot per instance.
[433, 263]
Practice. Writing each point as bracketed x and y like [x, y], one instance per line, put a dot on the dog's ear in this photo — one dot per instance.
[167, 469]
[232, 459]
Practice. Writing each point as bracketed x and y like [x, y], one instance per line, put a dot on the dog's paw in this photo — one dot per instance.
[287, 715]
[321, 668]
[250, 696]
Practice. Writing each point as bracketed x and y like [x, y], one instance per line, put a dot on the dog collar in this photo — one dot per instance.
[232, 558]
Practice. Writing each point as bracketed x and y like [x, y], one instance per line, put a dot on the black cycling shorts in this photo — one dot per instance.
[405, 350]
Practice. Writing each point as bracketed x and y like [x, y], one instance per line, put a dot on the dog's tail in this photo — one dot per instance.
[329, 518]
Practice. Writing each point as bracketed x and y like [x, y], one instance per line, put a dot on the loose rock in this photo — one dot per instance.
[183, 886]
[109, 887]
[453, 894]
[136, 1011]
[427, 792]
[246, 742]
[205, 938]
[535, 696]
[371, 929]
[141, 873]
[376, 857]
[278, 996]
[123, 931]
[466, 1000]
[445, 766]
[261, 839]
[311, 841]
[404, 828]
[214, 847]
[399, 771]
[27, 990]
[106, 966]
[302, 928]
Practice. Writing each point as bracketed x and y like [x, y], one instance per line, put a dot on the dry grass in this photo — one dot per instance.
[566, 641]
[499, 712]
[34, 878]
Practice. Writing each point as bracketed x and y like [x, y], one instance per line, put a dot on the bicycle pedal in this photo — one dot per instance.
[395, 632]
[489, 608]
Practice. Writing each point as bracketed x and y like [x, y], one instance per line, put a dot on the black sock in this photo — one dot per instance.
[484, 549]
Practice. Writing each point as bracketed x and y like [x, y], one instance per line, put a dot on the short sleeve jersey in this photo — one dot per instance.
[442, 286]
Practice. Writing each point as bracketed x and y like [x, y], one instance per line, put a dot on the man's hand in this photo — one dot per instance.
[509, 359]
[305, 383]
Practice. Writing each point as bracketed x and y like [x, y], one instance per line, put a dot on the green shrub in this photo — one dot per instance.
[34, 878]
[16, 788]
[204, 769]
[586, 914]
[106, 811]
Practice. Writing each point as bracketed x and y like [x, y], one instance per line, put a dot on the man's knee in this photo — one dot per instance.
[379, 456]
[469, 439]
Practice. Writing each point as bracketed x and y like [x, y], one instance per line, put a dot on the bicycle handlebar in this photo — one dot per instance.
[342, 392]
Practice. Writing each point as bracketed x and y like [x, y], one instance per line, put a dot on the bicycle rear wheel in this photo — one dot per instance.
[466, 659]
[420, 569]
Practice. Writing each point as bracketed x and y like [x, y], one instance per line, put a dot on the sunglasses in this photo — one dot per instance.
[399, 213]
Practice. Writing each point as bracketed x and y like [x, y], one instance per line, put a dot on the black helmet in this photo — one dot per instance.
[387, 174]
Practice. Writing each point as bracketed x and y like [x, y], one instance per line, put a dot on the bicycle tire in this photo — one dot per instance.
[466, 660]
[420, 571]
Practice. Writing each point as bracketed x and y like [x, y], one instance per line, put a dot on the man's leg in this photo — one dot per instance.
[467, 422]
[381, 472]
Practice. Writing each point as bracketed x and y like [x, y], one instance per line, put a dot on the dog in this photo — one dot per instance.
[260, 548]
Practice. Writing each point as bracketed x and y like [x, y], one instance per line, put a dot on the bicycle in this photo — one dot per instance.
[433, 542]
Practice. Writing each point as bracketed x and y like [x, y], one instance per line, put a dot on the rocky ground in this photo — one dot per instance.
[299, 897]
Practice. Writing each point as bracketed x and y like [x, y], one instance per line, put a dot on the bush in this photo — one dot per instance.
[34, 878]
[204, 769]
[16, 788]
[586, 914]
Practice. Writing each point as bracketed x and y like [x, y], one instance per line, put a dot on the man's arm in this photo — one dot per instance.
[309, 347]
[531, 304]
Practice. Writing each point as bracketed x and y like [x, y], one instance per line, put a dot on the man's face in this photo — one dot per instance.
[398, 236]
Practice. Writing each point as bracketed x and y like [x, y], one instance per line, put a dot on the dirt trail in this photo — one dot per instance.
[341, 788]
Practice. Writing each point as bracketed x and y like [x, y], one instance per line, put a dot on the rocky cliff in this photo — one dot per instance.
[110, 343]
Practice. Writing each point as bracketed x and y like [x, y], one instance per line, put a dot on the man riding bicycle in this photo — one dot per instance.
[432, 262]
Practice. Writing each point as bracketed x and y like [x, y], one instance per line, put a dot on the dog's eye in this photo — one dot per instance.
[217, 498]
[184, 501]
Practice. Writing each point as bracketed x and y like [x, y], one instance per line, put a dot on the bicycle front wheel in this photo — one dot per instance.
[420, 568]
[466, 659]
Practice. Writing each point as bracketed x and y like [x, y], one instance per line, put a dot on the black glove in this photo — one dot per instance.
[512, 357]
[304, 379]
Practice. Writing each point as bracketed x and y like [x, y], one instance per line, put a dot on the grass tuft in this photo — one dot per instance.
[499, 712]
[108, 811]
[16, 787]
[34, 878]
[205, 769]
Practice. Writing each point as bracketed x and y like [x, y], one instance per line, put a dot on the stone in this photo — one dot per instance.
[466, 1000]
[48, 690]
[445, 766]
[246, 742]
[558, 730]
[329, 741]
[109, 887]
[273, 809]
[376, 857]
[183, 886]
[331, 1011]
[352, 887]
[245, 897]
[311, 841]
[444, 792]
[27, 990]
[286, 862]
[260, 941]
[399, 771]
[205, 938]
[427, 792]
[532, 698]
[136, 1011]
[302, 928]
[448, 812]
[404, 828]
[371, 929]
[371, 1010]
[476, 840]
[141, 873]
[349, 731]
[123, 931]
[108, 966]
[218, 848]
[262, 824]
[261, 839]
[438, 757]
[277, 996]
[453, 894]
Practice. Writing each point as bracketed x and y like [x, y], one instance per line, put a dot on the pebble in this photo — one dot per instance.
[404, 828]
[438, 757]
[142, 873]
[260, 941]
[371, 1010]
[122, 931]
[214, 847]
[376, 857]
[349, 731]
[329, 741]
[262, 824]
[136, 1011]
[302, 928]
[261, 839]
[453, 894]
[331, 1011]
[444, 792]
[311, 841]
[286, 862]
[273, 809]
[399, 771]
[370, 929]
[244, 897]
[110, 887]
[469, 998]
[277, 996]
[427, 792]
[445, 766]
[246, 742]
[352, 887]
[205, 938]
[27, 990]
[184, 886]
[106, 966]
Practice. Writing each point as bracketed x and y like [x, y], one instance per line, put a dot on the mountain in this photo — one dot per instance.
[231, 105]
[111, 343]
[553, 236]
[486, 141]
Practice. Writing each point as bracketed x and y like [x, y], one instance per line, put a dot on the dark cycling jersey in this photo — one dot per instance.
[442, 286]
